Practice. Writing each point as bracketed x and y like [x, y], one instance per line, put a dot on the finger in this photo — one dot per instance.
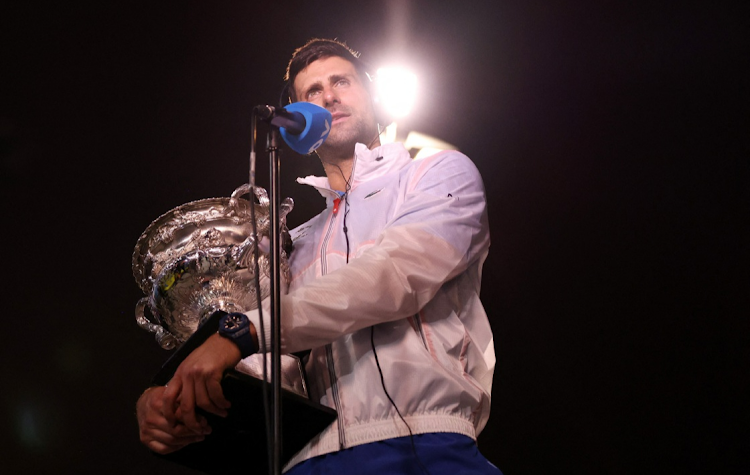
[216, 394]
[187, 405]
[161, 448]
[160, 430]
[164, 442]
[169, 399]
[205, 426]
[210, 397]
[179, 435]
[177, 431]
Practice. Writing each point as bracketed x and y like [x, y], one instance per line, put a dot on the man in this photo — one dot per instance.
[385, 293]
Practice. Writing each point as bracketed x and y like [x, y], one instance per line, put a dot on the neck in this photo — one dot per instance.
[338, 167]
[338, 172]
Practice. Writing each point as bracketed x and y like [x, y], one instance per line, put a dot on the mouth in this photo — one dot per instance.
[338, 117]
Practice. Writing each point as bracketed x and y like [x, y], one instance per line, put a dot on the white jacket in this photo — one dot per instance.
[417, 237]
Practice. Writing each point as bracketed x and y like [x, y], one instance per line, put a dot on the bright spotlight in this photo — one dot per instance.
[396, 90]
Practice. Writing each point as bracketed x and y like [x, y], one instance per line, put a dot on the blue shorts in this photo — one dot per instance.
[439, 453]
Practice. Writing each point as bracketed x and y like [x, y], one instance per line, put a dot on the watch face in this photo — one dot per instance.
[232, 322]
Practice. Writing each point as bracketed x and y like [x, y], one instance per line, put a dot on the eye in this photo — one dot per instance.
[312, 93]
[342, 82]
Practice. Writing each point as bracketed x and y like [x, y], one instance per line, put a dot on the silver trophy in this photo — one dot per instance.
[199, 258]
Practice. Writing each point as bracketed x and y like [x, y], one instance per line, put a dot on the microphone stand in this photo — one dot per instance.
[273, 427]
[272, 148]
[289, 120]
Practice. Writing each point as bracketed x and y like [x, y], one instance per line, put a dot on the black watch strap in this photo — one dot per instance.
[236, 327]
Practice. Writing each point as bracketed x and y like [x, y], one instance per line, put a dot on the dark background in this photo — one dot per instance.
[612, 139]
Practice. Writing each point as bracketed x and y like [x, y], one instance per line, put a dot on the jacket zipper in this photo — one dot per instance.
[335, 392]
[324, 246]
[329, 347]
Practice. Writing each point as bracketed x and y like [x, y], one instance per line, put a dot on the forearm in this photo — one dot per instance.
[393, 280]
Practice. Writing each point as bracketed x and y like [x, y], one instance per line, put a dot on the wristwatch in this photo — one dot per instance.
[236, 327]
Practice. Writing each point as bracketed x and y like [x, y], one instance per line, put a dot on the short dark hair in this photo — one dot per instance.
[313, 50]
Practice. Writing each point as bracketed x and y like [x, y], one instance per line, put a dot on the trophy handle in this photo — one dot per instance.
[260, 193]
[165, 339]
[287, 204]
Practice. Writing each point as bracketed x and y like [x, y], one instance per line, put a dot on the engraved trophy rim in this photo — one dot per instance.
[142, 246]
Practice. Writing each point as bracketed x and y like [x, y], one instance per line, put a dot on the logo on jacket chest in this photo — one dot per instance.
[372, 193]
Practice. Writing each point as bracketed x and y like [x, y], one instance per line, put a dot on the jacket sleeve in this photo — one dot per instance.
[439, 228]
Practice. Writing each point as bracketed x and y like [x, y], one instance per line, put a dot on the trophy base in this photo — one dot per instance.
[238, 443]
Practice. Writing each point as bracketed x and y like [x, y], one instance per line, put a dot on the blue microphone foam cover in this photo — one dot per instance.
[317, 127]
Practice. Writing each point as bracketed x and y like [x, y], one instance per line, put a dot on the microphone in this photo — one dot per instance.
[303, 126]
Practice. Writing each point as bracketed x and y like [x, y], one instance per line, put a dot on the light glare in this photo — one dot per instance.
[397, 89]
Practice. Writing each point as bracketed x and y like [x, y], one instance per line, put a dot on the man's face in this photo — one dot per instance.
[334, 83]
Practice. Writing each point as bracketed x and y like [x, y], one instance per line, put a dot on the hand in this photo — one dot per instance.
[197, 383]
[156, 432]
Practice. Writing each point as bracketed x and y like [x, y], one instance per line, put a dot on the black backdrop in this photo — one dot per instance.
[613, 143]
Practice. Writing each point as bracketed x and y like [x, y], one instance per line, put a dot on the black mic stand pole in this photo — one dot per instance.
[272, 147]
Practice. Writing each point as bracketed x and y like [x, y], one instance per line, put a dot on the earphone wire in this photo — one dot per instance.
[347, 189]
[393, 403]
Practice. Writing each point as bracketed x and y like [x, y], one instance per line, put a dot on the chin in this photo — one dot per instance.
[340, 140]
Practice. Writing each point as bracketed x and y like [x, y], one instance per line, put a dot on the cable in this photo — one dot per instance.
[347, 189]
[393, 403]
[346, 212]
[345, 197]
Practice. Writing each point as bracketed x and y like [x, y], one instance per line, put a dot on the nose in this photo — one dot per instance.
[330, 97]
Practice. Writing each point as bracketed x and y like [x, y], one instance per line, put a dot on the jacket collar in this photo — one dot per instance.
[368, 165]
